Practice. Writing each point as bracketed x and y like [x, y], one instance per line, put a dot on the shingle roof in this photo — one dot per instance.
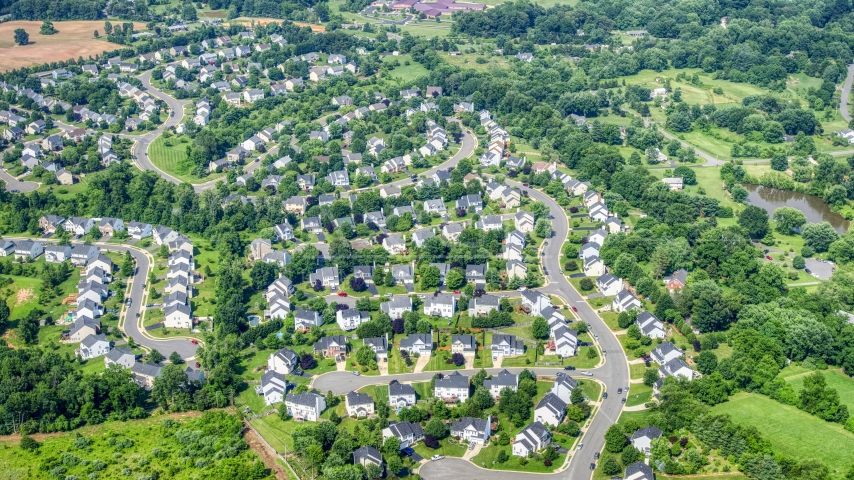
[356, 398]
[454, 380]
[368, 453]
[308, 399]
[397, 389]
[647, 432]
[503, 379]
[553, 403]
[639, 468]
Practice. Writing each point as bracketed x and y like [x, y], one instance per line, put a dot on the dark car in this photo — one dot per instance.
[592, 466]
[624, 400]
[408, 451]
[596, 455]
[569, 367]
[808, 270]
[605, 395]
[619, 390]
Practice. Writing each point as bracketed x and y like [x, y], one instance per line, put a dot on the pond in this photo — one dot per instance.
[814, 208]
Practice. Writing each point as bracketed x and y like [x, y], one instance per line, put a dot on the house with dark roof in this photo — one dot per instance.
[677, 281]
[482, 305]
[508, 345]
[401, 395]
[420, 343]
[406, 433]
[502, 380]
[359, 404]
[123, 357]
[463, 344]
[639, 471]
[550, 410]
[305, 406]
[283, 361]
[273, 387]
[643, 437]
[367, 456]
[331, 346]
[93, 346]
[378, 344]
[473, 430]
[665, 352]
[532, 439]
[452, 388]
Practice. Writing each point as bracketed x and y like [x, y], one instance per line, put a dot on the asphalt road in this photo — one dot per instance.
[614, 373]
[846, 91]
[184, 347]
[13, 183]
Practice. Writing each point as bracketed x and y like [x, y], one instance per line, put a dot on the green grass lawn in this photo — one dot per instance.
[639, 394]
[487, 459]
[396, 364]
[377, 392]
[438, 362]
[401, 71]
[446, 448]
[795, 375]
[170, 154]
[636, 370]
[793, 433]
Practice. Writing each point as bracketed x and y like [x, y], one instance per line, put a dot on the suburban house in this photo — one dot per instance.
[643, 437]
[78, 225]
[650, 325]
[178, 316]
[273, 387]
[473, 430]
[534, 302]
[420, 343]
[406, 433]
[93, 346]
[283, 231]
[499, 382]
[49, 223]
[305, 319]
[624, 301]
[394, 244]
[665, 353]
[441, 305]
[550, 410]
[145, 373]
[506, 345]
[594, 266]
[123, 357]
[305, 406]
[676, 367]
[283, 361]
[563, 387]
[27, 249]
[482, 305]
[350, 319]
[397, 306]
[81, 254]
[400, 395]
[109, 226]
[463, 344]
[138, 230]
[282, 285]
[359, 404]
[378, 344]
[677, 281]
[609, 284]
[419, 236]
[452, 388]
[367, 456]
[259, 248]
[57, 253]
[327, 276]
[524, 221]
[532, 439]
[332, 346]
[639, 471]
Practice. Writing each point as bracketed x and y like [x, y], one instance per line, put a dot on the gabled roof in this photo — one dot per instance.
[397, 389]
[308, 399]
[356, 398]
[479, 424]
[455, 380]
[553, 403]
[647, 432]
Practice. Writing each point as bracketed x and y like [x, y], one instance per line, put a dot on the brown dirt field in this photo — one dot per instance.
[266, 456]
[264, 21]
[23, 296]
[75, 39]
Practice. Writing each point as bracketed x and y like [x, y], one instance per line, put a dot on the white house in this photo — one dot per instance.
[533, 438]
[273, 387]
[609, 284]
[359, 404]
[643, 437]
[563, 387]
[594, 266]
[650, 325]
[406, 433]
[550, 410]
[350, 319]
[305, 406]
[401, 395]
[473, 430]
[535, 302]
[420, 343]
[305, 319]
[453, 388]
[284, 361]
[625, 300]
[499, 382]
[507, 345]
[178, 316]
[639, 471]
[665, 353]
[397, 306]
[93, 346]
[441, 304]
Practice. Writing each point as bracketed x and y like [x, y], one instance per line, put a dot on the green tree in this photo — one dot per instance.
[799, 263]
[610, 466]
[819, 236]
[365, 355]
[630, 455]
[155, 356]
[4, 313]
[755, 220]
[169, 387]
[47, 28]
[128, 264]
[430, 278]
[175, 358]
[28, 327]
[436, 428]
[21, 36]
[789, 219]
[455, 279]
[540, 328]
[707, 362]
[779, 162]
[615, 439]
[650, 376]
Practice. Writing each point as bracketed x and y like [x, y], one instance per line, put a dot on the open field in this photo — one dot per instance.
[167, 154]
[795, 375]
[75, 39]
[793, 433]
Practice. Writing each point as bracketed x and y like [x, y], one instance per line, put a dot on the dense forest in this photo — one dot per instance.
[53, 9]
[762, 43]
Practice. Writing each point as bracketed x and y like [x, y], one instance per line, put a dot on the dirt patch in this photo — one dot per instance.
[75, 39]
[265, 21]
[23, 296]
[266, 456]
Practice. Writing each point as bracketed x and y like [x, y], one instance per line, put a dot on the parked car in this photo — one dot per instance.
[807, 270]
[596, 455]
[437, 457]
[569, 367]
[356, 373]
[592, 466]
[619, 391]
[768, 257]
[456, 292]
[605, 395]
[194, 341]
[587, 373]
[408, 451]
[342, 294]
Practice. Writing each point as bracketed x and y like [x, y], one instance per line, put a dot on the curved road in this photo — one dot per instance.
[614, 372]
[130, 326]
[846, 92]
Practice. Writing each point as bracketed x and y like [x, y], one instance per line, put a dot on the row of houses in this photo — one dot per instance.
[498, 138]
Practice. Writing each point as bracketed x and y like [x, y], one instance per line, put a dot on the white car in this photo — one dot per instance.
[437, 457]
[587, 374]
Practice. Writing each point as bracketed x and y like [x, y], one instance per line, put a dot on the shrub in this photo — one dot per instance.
[547, 462]
[586, 284]
[29, 444]
[502, 456]
[430, 441]
[458, 359]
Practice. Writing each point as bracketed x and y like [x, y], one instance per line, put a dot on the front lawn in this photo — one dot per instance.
[639, 394]
[487, 458]
[446, 448]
